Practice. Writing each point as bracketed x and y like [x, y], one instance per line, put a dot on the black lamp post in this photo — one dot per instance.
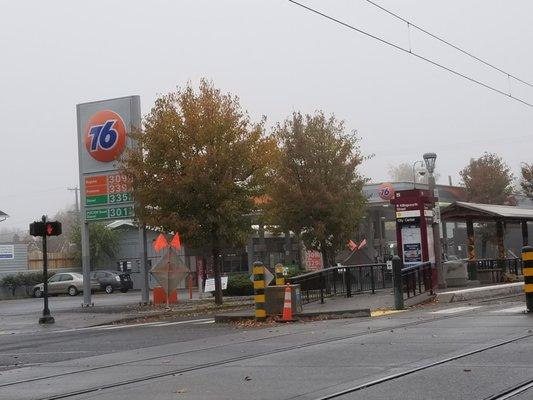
[429, 159]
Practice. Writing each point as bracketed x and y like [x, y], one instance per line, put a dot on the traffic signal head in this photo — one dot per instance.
[51, 228]
[37, 229]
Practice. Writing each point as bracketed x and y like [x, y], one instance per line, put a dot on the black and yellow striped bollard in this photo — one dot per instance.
[527, 264]
[280, 278]
[259, 291]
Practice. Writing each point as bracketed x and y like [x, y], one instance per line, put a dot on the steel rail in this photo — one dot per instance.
[512, 391]
[398, 375]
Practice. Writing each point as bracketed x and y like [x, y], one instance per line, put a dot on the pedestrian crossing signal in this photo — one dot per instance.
[52, 228]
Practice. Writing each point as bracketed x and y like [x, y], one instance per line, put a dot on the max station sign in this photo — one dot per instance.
[413, 226]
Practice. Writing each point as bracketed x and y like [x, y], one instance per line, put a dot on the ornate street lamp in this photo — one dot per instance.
[429, 159]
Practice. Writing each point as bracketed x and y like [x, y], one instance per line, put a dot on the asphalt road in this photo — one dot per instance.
[63, 303]
[459, 351]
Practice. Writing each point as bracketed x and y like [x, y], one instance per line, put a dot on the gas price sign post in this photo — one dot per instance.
[104, 129]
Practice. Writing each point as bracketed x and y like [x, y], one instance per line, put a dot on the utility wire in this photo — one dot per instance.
[436, 64]
[440, 39]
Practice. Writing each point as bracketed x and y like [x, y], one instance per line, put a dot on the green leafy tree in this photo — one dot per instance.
[527, 179]
[199, 169]
[487, 180]
[316, 190]
[103, 243]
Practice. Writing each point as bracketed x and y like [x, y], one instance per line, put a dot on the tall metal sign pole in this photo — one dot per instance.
[104, 129]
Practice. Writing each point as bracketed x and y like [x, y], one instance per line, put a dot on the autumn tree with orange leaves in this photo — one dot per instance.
[197, 168]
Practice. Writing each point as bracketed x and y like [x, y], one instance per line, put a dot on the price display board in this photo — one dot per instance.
[108, 196]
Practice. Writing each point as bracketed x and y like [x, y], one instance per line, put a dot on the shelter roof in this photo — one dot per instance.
[461, 210]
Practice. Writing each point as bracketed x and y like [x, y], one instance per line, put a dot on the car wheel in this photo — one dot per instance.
[72, 291]
[109, 289]
[37, 293]
[124, 290]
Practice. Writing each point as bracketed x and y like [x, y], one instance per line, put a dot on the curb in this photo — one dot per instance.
[354, 313]
[480, 292]
[154, 314]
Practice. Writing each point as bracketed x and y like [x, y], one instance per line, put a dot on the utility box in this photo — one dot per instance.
[455, 273]
[275, 298]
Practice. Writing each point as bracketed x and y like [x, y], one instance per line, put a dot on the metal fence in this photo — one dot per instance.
[342, 280]
[496, 267]
[417, 279]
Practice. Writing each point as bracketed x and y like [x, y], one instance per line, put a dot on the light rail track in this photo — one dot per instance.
[398, 375]
[202, 366]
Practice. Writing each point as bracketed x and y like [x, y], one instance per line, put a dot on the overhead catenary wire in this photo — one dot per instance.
[419, 56]
[447, 42]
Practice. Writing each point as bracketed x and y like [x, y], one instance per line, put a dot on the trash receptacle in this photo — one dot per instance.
[275, 297]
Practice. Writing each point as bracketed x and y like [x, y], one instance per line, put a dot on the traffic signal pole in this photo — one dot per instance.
[46, 318]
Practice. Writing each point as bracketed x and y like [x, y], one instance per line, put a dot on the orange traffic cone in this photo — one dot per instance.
[287, 306]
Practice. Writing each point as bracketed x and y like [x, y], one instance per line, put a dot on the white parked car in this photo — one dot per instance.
[70, 283]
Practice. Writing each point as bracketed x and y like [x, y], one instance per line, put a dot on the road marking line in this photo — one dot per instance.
[379, 313]
[152, 324]
[192, 321]
[455, 310]
[511, 310]
[109, 327]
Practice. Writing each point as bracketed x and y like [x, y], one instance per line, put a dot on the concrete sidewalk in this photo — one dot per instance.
[364, 304]
[21, 316]
[359, 305]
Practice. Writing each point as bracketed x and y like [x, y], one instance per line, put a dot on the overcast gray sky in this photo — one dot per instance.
[277, 58]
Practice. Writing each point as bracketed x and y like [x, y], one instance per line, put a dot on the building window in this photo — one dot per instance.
[233, 263]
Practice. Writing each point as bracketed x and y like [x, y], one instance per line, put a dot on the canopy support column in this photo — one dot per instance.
[525, 238]
[501, 246]
[471, 250]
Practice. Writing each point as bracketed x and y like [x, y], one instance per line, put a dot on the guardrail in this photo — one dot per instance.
[495, 266]
[345, 279]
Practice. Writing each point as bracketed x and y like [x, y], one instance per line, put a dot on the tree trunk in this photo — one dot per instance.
[325, 255]
[216, 272]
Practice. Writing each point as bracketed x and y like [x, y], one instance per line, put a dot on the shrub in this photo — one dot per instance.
[239, 285]
[11, 282]
[23, 279]
[294, 270]
[30, 279]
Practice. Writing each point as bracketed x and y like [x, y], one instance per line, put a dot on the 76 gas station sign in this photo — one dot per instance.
[103, 133]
